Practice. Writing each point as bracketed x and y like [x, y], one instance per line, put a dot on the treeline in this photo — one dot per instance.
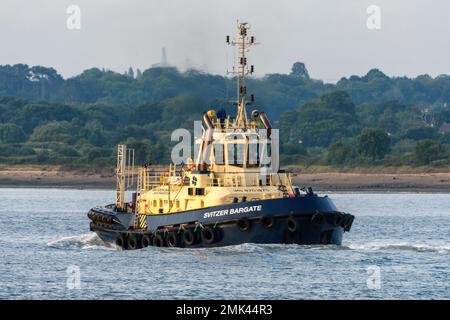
[45, 119]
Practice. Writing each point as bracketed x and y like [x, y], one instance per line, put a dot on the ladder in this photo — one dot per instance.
[140, 221]
[124, 174]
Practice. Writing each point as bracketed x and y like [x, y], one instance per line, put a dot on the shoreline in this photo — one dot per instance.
[374, 182]
[433, 182]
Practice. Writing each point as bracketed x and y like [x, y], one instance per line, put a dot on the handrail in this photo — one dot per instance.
[243, 180]
[153, 178]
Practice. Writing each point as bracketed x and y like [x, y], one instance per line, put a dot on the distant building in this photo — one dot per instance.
[163, 63]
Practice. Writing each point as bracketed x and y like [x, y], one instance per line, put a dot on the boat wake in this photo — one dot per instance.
[92, 241]
[383, 246]
[84, 241]
[369, 246]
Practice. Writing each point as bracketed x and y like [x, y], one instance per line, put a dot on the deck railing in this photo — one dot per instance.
[245, 180]
[151, 178]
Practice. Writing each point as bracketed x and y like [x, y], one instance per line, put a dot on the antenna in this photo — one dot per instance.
[242, 42]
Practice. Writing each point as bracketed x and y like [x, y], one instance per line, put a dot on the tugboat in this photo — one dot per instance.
[233, 193]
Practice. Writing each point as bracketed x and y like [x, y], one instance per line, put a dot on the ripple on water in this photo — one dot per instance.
[50, 231]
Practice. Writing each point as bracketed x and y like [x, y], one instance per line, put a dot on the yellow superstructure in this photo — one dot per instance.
[229, 166]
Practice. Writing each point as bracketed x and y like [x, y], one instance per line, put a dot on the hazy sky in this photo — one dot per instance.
[329, 36]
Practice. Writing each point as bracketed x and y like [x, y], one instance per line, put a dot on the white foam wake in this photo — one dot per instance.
[84, 241]
[401, 246]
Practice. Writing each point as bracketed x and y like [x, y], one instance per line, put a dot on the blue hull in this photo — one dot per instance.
[302, 220]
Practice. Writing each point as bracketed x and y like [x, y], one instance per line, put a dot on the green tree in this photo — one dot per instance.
[373, 143]
[53, 131]
[11, 133]
[427, 151]
[141, 148]
[340, 153]
[422, 133]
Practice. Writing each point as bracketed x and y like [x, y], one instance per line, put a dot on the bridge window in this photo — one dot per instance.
[253, 154]
[219, 154]
[235, 153]
[200, 191]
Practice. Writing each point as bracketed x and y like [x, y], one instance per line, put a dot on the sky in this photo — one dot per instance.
[330, 36]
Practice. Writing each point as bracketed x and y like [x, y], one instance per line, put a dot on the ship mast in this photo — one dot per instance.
[242, 42]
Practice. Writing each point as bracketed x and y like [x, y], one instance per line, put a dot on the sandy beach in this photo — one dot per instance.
[373, 182]
[56, 177]
[323, 181]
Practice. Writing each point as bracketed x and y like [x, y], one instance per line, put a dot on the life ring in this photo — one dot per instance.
[267, 221]
[133, 241]
[244, 224]
[159, 239]
[189, 237]
[146, 240]
[121, 240]
[292, 224]
[173, 239]
[209, 235]
[317, 219]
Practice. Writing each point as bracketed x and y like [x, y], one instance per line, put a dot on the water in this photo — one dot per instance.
[399, 247]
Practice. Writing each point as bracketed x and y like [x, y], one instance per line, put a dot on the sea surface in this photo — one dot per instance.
[398, 248]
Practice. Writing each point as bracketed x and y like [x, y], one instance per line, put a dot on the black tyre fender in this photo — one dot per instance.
[267, 221]
[317, 219]
[146, 240]
[338, 219]
[331, 219]
[244, 224]
[345, 220]
[121, 240]
[134, 241]
[348, 222]
[189, 237]
[292, 224]
[209, 235]
[159, 240]
[173, 239]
